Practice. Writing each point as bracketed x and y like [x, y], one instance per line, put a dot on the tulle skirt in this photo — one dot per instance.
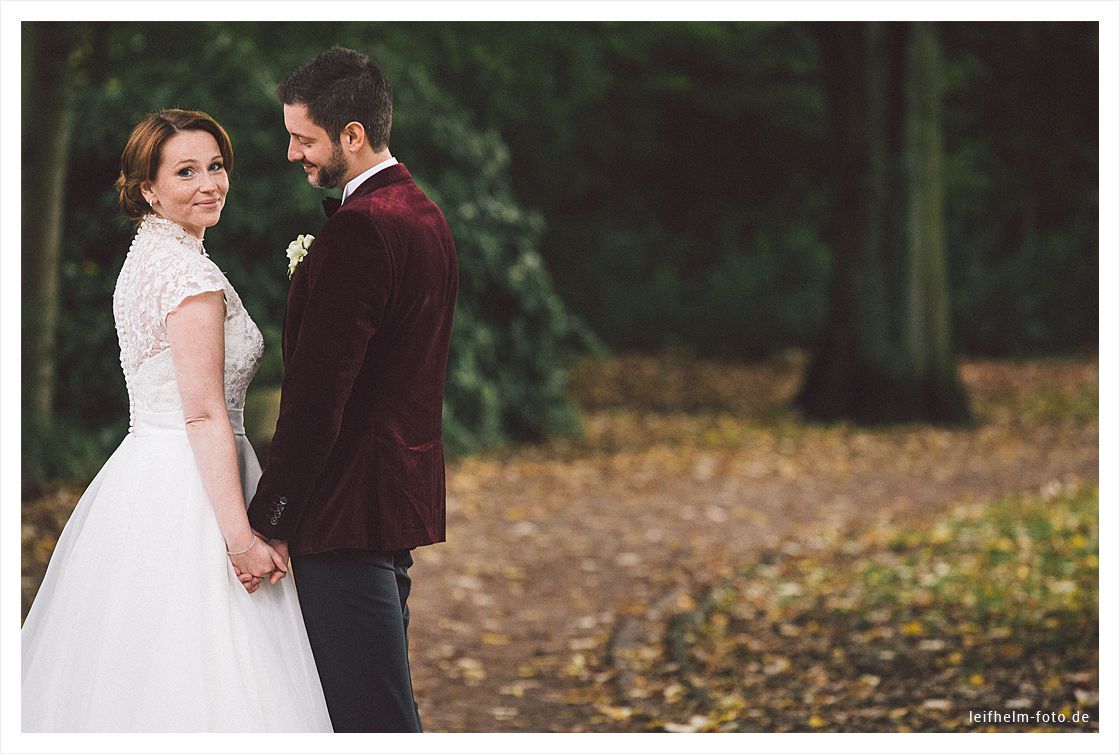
[140, 623]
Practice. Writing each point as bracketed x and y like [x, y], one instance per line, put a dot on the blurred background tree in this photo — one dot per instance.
[664, 183]
[47, 86]
[886, 353]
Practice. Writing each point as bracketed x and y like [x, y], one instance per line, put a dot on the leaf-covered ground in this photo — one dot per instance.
[629, 580]
[914, 625]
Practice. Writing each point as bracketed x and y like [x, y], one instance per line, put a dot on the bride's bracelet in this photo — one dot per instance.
[242, 552]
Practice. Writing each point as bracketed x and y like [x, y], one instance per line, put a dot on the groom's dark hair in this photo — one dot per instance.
[340, 86]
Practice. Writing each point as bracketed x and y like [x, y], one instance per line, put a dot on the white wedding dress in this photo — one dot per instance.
[140, 623]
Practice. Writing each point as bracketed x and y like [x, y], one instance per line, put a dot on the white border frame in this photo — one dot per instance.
[1106, 13]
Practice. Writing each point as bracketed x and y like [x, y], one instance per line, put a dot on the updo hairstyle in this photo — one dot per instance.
[141, 157]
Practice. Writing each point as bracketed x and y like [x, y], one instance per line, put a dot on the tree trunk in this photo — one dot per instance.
[886, 351]
[929, 354]
[46, 139]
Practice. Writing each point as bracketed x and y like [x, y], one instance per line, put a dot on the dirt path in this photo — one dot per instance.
[551, 548]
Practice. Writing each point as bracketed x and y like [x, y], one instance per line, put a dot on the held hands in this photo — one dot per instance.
[260, 560]
[281, 547]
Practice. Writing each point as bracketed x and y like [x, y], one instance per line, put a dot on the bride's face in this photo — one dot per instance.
[191, 184]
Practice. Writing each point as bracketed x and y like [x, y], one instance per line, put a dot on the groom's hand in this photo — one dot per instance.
[281, 547]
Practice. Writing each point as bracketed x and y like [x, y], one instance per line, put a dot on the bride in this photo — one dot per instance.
[162, 610]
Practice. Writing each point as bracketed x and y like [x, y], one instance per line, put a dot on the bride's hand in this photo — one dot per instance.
[258, 561]
[248, 580]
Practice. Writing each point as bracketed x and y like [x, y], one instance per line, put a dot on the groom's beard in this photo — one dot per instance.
[330, 175]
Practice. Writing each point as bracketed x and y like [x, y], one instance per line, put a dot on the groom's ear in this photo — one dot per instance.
[353, 136]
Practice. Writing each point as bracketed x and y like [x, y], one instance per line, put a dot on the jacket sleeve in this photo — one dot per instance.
[350, 280]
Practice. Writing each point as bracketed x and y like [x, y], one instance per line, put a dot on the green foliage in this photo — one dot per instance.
[507, 376]
[513, 334]
[680, 168]
[674, 163]
[67, 452]
[661, 180]
[1021, 186]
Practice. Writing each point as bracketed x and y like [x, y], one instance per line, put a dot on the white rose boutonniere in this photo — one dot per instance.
[297, 250]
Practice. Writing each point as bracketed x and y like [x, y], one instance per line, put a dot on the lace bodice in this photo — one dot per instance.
[165, 265]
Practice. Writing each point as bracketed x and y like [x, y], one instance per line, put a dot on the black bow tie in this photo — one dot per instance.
[331, 205]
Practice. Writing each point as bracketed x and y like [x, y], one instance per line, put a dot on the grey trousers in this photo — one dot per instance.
[355, 607]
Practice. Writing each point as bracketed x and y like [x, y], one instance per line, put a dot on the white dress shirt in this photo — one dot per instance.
[358, 180]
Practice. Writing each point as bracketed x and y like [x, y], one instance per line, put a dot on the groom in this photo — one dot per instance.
[355, 475]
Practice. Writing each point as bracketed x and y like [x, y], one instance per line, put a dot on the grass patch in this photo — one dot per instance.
[908, 628]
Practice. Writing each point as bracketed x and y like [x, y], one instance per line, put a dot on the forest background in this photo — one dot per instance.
[611, 186]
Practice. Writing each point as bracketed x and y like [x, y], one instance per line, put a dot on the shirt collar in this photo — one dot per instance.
[358, 180]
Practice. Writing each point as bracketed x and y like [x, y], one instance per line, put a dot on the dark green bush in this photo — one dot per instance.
[513, 334]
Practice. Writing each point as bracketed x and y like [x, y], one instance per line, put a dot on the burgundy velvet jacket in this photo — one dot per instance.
[356, 461]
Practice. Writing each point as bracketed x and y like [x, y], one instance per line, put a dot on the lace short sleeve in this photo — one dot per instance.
[179, 276]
